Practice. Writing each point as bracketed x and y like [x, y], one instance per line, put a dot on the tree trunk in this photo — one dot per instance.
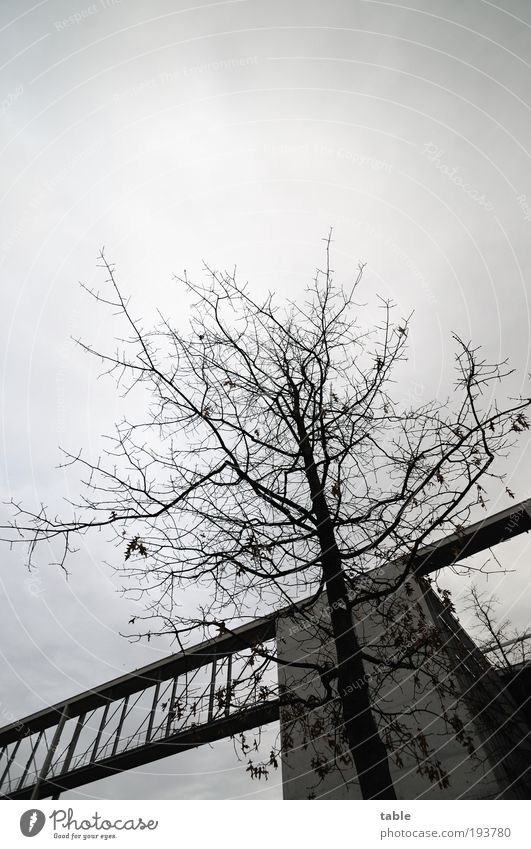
[366, 747]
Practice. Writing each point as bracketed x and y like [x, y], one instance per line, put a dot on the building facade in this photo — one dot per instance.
[451, 727]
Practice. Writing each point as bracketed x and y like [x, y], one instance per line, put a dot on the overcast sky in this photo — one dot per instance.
[238, 132]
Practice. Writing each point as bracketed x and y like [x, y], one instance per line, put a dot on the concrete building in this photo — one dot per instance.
[451, 727]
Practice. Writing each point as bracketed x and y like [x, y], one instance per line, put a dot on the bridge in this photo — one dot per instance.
[217, 689]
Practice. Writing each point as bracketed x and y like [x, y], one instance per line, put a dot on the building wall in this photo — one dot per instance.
[438, 706]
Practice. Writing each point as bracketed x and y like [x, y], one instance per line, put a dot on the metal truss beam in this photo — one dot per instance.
[258, 631]
[481, 535]
[260, 714]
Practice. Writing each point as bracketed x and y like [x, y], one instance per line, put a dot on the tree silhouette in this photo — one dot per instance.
[273, 464]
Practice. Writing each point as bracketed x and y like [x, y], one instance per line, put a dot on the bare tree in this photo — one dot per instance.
[507, 646]
[274, 464]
